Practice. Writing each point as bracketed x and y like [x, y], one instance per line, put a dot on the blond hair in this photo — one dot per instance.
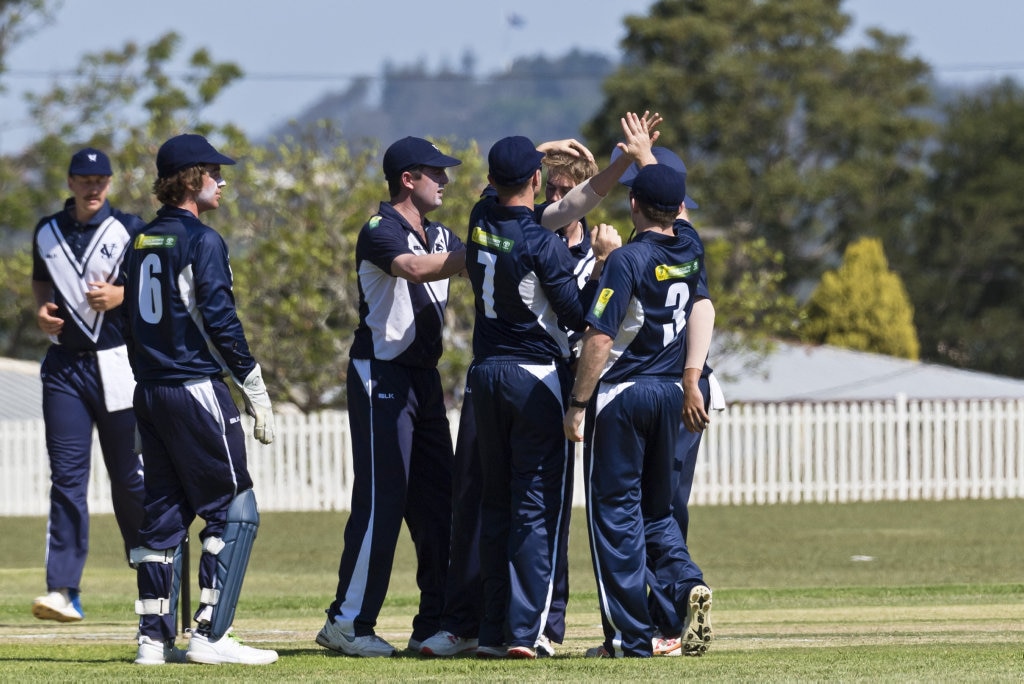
[578, 168]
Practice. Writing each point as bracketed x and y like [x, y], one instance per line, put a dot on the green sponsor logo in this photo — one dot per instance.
[155, 241]
[485, 239]
[374, 222]
[665, 272]
[602, 301]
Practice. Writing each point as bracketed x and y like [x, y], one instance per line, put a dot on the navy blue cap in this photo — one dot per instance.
[664, 156]
[89, 162]
[658, 186]
[185, 150]
[408, 152]
[513, 160]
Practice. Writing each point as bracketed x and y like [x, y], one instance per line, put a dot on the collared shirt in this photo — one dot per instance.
[399, 321]
[69, 255]
[180, 305]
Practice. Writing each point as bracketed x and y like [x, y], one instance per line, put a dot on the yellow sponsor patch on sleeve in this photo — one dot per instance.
[602, 301]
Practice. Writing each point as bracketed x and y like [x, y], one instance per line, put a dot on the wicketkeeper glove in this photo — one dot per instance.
[257, 405]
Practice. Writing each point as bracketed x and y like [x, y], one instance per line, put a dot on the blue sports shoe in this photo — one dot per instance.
[62, 605]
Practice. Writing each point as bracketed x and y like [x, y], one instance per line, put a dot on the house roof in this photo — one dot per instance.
[792, 372]
[21, 390]
[796, 372]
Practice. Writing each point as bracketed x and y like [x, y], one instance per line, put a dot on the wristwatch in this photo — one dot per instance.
[578, 403]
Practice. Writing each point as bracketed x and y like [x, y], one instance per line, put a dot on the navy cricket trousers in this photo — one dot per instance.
[193, 446]
[72, 403]
[525, 460]
[402, 469]
[631, 440]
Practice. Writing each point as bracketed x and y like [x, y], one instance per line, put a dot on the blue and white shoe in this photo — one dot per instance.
[62, 605]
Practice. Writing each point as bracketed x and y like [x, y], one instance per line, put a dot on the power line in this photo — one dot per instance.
[400, 75]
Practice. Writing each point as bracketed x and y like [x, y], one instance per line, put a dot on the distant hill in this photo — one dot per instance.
[541, 98]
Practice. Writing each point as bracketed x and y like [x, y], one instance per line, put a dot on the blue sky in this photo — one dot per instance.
[296, 51]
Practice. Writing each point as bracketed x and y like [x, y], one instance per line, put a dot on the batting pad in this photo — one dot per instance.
[232, 561]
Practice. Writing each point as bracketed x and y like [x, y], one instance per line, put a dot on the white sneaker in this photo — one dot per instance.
[697, 634]
[414, 645]
[158, 653]
[371, 646]
[445, 644]
[543, 647]
[227, 649]
[61, 605]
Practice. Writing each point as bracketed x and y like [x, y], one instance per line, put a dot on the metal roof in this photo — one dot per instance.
[795, 372]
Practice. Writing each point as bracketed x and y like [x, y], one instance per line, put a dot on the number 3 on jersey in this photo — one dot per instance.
[678, 295]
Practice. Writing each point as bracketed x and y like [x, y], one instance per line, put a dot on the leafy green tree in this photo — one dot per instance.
[964, 263]
[751, 308]
[291, 213]
[787, 137]
[18, 20]
[862, 305]
[95, 107]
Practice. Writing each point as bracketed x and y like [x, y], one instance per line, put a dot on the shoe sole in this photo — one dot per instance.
[521, 653]
[698, 634]
[490, 653]
[204, 659]
[44, 612]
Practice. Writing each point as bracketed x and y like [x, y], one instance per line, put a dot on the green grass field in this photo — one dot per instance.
[915, 591]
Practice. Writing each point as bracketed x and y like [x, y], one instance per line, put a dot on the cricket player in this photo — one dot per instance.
[402, 445]
[635, 353]
[87, 380]
[526, 297]
[184, 337]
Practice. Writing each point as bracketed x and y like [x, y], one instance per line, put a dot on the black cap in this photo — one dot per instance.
[658, 186]
[408, 152]
[513, 160]
[183, 151]
[89, 162]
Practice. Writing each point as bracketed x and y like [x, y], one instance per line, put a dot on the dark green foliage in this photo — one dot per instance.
[786, 136]
[964, 262]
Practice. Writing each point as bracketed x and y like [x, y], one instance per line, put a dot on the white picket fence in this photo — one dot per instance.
[761, 453]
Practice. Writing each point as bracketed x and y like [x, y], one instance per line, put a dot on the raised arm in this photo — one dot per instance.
[639, 137]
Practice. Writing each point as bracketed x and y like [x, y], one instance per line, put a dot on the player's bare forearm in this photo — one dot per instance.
[425, 268]
[695, 416]
[595, 349]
